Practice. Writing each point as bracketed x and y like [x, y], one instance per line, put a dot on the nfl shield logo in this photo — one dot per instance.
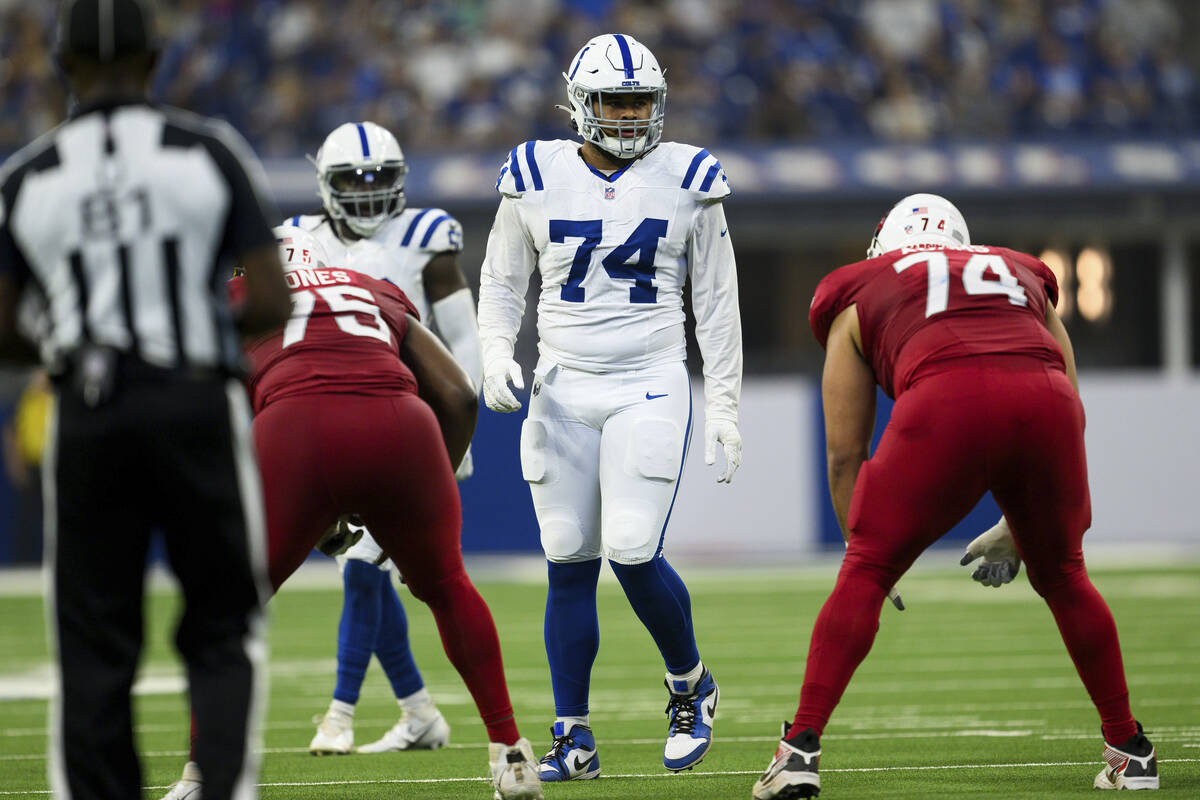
[609, 193]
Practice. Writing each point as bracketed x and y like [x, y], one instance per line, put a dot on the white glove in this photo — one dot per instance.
[342, 535]
[1000, 560]
[496, 377]
[725, 432]
[466, 469]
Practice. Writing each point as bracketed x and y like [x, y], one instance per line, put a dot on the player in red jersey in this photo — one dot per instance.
[359, 409]
[967, 341]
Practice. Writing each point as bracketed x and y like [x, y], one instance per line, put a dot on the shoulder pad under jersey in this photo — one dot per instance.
[430, 230]
[522, 170]
[698, 170]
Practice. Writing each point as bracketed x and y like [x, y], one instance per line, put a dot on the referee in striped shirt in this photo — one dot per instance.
[118, 230]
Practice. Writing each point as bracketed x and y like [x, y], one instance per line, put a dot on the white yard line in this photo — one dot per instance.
[676, 776]
[165, 690]
[1189, 736]
[922, 723]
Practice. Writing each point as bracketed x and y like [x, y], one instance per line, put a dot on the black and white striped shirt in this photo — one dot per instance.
[121, 226]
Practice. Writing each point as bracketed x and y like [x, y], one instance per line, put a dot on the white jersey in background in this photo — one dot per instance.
[398, 253]
[614, 252]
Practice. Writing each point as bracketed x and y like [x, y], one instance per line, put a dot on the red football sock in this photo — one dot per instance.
[841, 639]
[1088, 630]
[469, 638]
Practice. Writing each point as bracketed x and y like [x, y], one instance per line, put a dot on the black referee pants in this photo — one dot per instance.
[173, 453]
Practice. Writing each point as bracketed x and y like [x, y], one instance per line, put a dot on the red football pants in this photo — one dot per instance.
[383, 458]
[1008, 424]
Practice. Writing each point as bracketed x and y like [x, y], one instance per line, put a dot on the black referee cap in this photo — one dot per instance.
[105, 30]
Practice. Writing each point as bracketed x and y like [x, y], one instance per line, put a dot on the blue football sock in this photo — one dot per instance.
[572, 633]
[359, 626]
[392, 647]
[661, 602]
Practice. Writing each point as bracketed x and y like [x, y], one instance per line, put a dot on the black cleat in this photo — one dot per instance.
[793, 772]
[1133, 765]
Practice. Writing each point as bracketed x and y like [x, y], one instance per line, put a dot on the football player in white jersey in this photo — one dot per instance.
[366, 226]
[615, 227]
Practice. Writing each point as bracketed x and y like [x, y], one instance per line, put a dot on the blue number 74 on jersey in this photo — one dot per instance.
[643, 243]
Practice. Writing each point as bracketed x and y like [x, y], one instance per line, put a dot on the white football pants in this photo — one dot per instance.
[603, 455]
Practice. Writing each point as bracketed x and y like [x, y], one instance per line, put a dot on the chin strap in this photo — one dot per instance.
[571, 113]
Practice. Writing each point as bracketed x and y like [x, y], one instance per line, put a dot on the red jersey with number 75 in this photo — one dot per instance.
[343, 336]
[922, 305]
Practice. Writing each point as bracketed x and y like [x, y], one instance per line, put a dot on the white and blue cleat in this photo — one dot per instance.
[573, 755]
[690, 731]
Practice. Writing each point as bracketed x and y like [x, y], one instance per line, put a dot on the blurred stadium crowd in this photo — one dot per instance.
[449, 74]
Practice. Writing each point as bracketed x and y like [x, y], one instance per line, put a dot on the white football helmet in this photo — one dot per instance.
[299, 249]
[615, 64]
[920, 219]
[361, 171]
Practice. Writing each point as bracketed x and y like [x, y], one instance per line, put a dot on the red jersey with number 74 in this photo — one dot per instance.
[343, 336]
[922, 305]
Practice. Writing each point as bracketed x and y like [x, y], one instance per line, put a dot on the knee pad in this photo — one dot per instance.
[655, 450]
[631, 531]
[562, 535]
[537, 460]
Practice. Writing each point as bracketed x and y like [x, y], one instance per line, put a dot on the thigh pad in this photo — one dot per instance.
[654, 450]
[537, 457]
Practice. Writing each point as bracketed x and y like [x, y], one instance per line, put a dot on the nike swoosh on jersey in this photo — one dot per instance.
[724, 231]
[655, 396]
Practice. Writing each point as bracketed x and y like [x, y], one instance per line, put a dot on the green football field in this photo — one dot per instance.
[967, 693]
